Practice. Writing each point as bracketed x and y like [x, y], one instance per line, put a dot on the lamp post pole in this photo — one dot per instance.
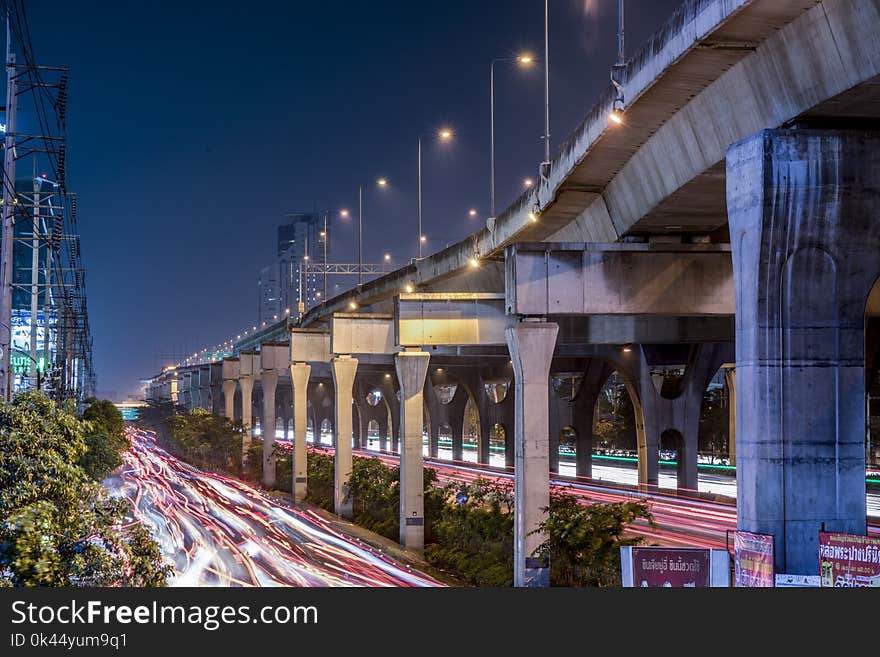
[420, 197]
[326, 238]
[492, 139]
[360, 234]
[547, 87]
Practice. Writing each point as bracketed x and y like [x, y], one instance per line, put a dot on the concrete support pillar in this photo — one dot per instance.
[299, 375]
[247, 408]
[344, 370]
[803, 208]
[730, 380]
[531, 346]
[229, 399]
[269, 380]
[412, 368]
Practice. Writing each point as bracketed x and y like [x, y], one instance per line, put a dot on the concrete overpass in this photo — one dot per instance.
[733, 205]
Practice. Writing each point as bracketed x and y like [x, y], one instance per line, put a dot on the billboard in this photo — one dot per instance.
[753, 560]
[848, 560]
[21, 330]
[674, 567]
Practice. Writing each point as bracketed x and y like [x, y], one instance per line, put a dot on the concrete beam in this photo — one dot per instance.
[619, 279]
[309, 346]
[446, 319]
[362, 334]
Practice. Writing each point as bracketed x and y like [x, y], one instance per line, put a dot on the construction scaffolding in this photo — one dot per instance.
[45, 337]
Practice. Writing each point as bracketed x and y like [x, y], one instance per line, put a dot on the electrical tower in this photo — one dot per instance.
[45, 337]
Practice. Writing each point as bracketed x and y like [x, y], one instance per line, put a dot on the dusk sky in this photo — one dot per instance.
[194, 127]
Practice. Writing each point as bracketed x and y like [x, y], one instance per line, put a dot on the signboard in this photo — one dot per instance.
[753, 560]
[21, 330]
[797, 581]
[674, 567]
[848, 560]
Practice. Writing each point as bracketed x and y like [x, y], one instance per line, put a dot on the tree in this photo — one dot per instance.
[58, 527]
[105, 439]
[206, 441]
[583, 541]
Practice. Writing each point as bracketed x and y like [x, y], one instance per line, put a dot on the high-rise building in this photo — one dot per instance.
[270, 293]
[301, 241]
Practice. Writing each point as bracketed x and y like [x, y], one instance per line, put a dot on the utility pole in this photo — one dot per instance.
[35, 274]
[7, 237]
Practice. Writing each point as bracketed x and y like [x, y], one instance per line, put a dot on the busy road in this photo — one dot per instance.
[219, 531]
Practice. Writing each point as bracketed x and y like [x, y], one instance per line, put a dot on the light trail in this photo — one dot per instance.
[218, 531]
[681, 518]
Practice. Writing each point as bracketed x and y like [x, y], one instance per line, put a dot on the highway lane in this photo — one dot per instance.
[218, 531]
[680, 519]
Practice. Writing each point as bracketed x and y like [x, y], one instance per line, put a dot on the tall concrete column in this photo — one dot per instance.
[730, 379]
[247, 408]
[269, 379]
[344, 370]
[299, 375]
[229, 398]
[412, 368]
[803, 208]
[531, 346]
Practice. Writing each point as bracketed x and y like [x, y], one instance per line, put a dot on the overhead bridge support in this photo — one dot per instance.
[803, 210]
[412, 368]
[531, 346]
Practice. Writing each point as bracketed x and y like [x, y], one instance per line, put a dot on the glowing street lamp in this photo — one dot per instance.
[524, 60]
[444, 134]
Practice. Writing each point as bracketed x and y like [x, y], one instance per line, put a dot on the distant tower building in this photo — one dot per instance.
[301, 240]
[270, 294]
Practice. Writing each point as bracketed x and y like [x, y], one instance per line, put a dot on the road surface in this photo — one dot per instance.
[218, 531]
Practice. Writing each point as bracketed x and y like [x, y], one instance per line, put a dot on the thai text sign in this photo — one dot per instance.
[849, 560]
[670, 567]
[753, 560]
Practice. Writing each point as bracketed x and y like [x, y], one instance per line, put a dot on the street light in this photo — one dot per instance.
[523, 59]
[618, 70]
[444, 135]
[383, 183]
[528, 182]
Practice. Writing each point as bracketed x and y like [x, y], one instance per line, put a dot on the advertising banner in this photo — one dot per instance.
[753, 560]
[670, 567]
[847, 560]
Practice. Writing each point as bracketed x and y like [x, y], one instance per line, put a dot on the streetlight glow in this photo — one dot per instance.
[446, 133]
[382, 182]
[528, 182]
[472, 213]
[343, 214]
[387, 257]
[525, 59]
[616, 117]
[474, 262]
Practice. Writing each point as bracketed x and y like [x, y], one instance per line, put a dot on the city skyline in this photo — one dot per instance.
[161, 164]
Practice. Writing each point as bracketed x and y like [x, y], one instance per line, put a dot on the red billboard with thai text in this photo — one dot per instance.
[848, 560]
[753, 560]
[671, 567]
